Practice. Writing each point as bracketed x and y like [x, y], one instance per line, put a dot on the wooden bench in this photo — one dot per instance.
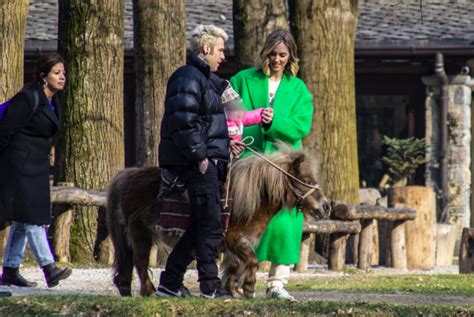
[65, 196]
[366, 215]
[338, 230]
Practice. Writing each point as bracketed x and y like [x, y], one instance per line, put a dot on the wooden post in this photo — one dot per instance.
[445, 241]
[385, 235]
[398, 255]
[365, 244]
[62, 229]
[466, 251]
[153, 260]
[337, 251]
[375, 245]
[352, 249]
[3, 240]
[334, 229]
[419, 233]
[302, 265]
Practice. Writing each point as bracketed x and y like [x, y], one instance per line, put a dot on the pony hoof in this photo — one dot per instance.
[125, 291]
[249, 295]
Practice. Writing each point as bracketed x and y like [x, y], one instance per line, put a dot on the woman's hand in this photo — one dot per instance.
[267, 115]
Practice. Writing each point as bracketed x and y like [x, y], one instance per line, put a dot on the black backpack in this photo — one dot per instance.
[6, 136]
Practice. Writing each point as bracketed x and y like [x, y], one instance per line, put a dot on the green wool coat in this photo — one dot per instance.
[293, 111]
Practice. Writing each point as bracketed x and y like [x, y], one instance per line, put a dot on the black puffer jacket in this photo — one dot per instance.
[194, 125]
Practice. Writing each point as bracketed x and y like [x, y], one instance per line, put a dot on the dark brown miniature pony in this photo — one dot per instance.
[258, 191]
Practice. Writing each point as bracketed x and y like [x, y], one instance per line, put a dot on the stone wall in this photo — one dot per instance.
[459, 147]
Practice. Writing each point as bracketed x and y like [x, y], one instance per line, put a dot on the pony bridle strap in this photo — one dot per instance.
[311, 187]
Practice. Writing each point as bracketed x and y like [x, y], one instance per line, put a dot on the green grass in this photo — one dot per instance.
[441, 284]
[355, 282]
[114, 306]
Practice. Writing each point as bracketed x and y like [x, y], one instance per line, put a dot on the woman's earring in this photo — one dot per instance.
[45, 84]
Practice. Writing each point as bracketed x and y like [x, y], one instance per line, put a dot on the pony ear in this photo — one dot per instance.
[298, 158]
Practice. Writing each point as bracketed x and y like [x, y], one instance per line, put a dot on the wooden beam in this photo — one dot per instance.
[331, 226]
[351, 212]
[77, 196]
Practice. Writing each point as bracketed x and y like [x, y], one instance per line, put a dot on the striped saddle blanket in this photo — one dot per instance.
[173, 209]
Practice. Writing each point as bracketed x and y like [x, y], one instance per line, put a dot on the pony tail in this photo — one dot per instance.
[117, 229]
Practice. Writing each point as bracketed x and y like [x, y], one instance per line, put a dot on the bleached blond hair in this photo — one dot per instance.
[205, 34]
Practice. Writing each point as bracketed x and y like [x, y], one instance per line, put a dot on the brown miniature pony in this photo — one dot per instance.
[258, 191]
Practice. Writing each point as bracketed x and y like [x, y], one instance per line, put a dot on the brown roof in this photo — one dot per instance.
[381, 23]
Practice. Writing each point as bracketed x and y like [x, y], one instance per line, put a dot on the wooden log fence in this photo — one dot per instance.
[354, 219]
[366, 215]
[64, 197]
[338, 230]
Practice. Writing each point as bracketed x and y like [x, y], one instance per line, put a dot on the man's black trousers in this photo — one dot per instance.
[203, 238]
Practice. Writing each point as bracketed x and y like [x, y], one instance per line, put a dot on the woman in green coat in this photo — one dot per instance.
[273, 84]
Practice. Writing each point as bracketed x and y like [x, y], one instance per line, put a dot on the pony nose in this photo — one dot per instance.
[327, 209]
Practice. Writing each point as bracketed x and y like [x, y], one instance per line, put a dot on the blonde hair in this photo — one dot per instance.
[205, 34]
[275, 38]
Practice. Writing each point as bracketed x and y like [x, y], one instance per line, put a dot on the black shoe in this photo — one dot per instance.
[12, 276]
[53, 275]
[182, 291]
[217, 294]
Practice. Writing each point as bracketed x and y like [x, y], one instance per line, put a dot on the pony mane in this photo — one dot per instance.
[254, 179]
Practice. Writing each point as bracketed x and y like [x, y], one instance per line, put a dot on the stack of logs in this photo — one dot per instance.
[354, 220]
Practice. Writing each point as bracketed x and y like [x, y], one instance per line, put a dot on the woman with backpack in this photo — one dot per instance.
[27, 127]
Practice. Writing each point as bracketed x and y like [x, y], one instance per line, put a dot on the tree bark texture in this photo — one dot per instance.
[160, 48]
[90, 148]
[13, 16]
[253, 22]
[419, 233]
[325, 33]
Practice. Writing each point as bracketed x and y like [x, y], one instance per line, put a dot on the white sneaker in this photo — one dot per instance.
[279, 293]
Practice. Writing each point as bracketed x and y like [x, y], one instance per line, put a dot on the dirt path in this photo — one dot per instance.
[98, 282]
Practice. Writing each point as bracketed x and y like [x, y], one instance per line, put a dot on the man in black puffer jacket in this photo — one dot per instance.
[195, 145]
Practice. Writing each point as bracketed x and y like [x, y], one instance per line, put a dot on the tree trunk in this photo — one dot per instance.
[13, 15]
[325, 32]
[253, 22]
[90, 147]
[160, 48]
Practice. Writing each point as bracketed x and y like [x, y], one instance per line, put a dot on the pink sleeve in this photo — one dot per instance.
[252, 117]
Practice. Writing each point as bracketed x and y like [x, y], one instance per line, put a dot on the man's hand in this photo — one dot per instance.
[236, 147]
[203, 165]
[267, 115]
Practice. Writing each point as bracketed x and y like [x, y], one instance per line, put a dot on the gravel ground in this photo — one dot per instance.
[98, 282]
